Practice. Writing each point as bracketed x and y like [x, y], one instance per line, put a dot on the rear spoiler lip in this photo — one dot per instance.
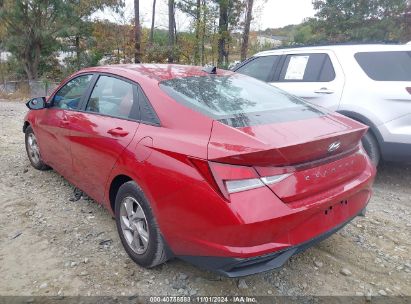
[289, 168]
[282, 161]
[313, 163]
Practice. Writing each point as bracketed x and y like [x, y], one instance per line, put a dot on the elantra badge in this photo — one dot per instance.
[334, 146]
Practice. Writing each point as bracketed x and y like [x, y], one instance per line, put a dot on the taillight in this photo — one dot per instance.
[233, 179]
[227, 179]
[234, 186]
[269, 180]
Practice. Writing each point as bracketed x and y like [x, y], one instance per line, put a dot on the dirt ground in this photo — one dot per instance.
[50, 245]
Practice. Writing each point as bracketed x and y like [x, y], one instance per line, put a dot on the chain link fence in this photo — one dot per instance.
[26, 88]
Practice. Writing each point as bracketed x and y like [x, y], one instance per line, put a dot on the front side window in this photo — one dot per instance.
[69, 96]
[238, 100]
[114, 97]
[307, 68]
[259, 67]
[386, 66]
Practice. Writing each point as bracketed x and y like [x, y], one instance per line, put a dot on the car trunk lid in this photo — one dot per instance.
[317, 153]
[285, 143]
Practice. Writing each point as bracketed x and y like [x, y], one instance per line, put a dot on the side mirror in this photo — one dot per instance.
[37, 103]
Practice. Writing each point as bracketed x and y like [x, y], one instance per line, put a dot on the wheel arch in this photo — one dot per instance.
[25, 126]
[115, 185]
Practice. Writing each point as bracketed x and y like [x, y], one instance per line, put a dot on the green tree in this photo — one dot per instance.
[34, 28]
[201, 42]
[193, 8]
[360, 20]
[307, 33]
[82, 30]
[230, 12]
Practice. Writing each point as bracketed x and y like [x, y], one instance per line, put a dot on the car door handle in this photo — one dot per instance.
[324, 91]
[117, 132]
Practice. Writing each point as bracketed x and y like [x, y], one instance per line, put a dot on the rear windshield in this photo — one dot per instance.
[386, 66]
[238, 100]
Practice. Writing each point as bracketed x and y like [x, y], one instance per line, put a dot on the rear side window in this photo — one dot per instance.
[307, 68]
[260, 67]
[147, 113]
[386, 66]
[238, 100]
[114, 97]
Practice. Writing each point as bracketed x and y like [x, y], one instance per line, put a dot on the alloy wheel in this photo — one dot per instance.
[134, 225]
[33, 148]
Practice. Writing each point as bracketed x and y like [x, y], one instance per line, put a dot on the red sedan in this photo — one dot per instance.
[210, 166]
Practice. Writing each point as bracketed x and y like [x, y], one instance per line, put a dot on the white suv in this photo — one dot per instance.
[368, 83]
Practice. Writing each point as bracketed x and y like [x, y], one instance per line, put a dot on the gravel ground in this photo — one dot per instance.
[53, 246]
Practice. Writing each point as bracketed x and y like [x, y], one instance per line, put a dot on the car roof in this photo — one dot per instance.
[154, 72]
[341, 48]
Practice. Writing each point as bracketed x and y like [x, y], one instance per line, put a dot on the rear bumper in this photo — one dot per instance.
[396, 152]
[238, 267]
[257, 231]
[395, 142]
[266, 225]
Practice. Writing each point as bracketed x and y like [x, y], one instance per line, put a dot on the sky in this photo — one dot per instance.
[278, 13]
[272, 14]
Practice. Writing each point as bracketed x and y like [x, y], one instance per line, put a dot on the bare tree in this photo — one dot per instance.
[153, 15]
[137, 32]
[171, 31]
[246, 33]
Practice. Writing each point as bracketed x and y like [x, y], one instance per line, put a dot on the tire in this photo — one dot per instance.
[142, 226]
[370, 145]
[33, 150]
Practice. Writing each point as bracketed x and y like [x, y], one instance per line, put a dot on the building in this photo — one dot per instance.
[272, 41]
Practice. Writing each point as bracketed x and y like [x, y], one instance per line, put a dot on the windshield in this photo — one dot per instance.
[237, 100]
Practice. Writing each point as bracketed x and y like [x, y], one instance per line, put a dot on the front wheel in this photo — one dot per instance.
[137, 227]
[33, 150]
[370, 145]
